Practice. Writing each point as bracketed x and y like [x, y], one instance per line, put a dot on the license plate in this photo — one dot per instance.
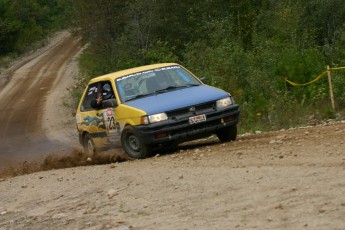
[197, 119]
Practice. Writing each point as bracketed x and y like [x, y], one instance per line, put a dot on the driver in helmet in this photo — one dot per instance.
[105, 94]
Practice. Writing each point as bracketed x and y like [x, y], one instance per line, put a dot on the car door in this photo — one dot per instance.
[97, 114]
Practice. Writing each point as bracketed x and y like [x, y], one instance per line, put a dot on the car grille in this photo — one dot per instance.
[182, 114]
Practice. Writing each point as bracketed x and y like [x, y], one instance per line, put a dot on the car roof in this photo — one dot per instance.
[112, 76]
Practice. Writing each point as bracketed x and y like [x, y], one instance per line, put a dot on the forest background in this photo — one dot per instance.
[248, 48]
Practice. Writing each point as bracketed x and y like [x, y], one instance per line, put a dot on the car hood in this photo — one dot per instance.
[176, 99]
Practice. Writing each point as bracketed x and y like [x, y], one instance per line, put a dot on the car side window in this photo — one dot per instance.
[97, 94]
[91, 94]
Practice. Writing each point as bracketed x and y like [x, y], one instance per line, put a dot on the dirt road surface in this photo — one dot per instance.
[24, 119]
[288, 179]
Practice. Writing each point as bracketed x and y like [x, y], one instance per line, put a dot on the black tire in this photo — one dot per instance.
[89, 146]
[132, 144]
[228, 133]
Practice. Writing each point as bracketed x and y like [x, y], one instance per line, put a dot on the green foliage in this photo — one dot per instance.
[23, 22]
[159, 52]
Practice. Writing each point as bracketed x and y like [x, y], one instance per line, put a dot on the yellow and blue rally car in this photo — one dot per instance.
[152, 106]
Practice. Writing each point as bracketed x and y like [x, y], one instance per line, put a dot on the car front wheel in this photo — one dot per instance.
[89, 146]
[133, 145]
[228, 133]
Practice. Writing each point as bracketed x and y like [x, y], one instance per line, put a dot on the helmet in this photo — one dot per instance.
[107, 92]
[106, 88]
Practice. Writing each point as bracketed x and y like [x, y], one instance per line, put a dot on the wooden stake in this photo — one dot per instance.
[330, 87]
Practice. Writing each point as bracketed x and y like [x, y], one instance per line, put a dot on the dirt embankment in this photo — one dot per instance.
[289, 179]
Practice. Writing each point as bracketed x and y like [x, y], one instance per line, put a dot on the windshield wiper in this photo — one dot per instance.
[139, 96]
[175, 87]
[160, 91]
[167, 89]
[191, 85]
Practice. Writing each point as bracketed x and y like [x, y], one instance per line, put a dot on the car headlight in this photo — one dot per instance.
[154, 118]
[224, 102]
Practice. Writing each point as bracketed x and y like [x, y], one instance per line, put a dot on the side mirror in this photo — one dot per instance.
[109, 103]
[204, 80]
[94, 104]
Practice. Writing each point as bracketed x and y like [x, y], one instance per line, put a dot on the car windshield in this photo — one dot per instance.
[160, 80]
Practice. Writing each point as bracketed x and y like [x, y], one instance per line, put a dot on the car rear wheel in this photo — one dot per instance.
[132, 144]
[228, 133]
[89, 146]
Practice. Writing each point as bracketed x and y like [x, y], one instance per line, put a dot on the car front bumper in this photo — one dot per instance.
[181, 130]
